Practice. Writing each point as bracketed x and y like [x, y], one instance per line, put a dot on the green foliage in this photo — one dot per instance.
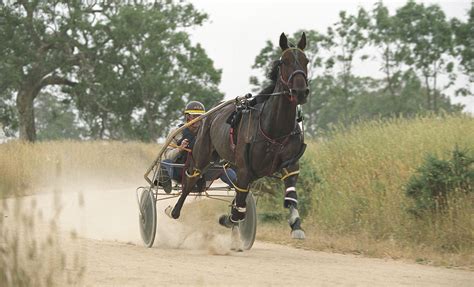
[8, 118]
[55, 118]
[127, 68]
[437, 180]
[464, 41]
[328, 107]
[426, 36]
[151, 71]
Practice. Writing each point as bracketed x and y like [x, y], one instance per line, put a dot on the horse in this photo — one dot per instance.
[268, 138]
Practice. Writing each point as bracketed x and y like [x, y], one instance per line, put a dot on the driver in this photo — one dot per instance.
[179, 147]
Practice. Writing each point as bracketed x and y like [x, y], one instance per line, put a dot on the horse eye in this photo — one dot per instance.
[305, 61]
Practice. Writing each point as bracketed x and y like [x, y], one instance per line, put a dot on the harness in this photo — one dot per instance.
[275, 145]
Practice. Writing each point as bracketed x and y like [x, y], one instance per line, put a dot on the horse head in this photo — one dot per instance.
[293, 69]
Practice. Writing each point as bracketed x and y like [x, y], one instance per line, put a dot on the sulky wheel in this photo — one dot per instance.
[248, 226]
[147, 217]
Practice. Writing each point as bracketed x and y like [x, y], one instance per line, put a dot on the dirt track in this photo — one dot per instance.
[110, 249]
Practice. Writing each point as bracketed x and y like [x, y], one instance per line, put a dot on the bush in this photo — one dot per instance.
[437, 179]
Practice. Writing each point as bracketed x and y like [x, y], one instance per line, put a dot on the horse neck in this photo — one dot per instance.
[278, 115]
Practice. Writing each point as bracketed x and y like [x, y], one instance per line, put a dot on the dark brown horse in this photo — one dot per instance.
[268, 138]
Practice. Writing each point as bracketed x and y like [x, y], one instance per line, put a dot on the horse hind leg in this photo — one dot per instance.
[190, 181]
[295, 224]
[290, 177]
[202, 152]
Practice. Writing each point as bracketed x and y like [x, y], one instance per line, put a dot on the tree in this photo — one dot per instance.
[464, 43]
[126, 66]
[55, 118]
[8, 119]
[384, 35]
[146, 73]
[339, 96]
[427, 38]
[348, 37]
[35, 53]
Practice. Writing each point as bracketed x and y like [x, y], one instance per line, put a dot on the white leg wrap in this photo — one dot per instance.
[241, 209]
[291, 199]
[291, 188]
[288, 190]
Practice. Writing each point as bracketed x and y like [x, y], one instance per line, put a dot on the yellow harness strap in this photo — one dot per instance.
[240, 189]
[233, 184]
[196, 173]
[288, 174]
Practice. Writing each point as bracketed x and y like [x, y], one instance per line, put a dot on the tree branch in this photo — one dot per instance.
[56, 80]
[29, 7]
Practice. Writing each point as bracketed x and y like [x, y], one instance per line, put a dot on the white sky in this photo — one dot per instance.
[237, 30]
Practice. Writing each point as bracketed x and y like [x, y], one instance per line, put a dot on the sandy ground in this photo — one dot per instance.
[109, 247]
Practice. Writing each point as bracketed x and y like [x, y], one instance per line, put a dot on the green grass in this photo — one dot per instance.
[360, 204]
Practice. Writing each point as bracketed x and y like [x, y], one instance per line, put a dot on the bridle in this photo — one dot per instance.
[291, 93]
[288, 84]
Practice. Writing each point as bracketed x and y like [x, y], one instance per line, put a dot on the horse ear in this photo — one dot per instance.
[283, 42]
[302, 42]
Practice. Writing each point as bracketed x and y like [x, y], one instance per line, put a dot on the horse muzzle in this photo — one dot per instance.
[300, 94]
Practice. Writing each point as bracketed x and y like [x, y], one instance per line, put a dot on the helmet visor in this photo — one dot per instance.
[194, 112]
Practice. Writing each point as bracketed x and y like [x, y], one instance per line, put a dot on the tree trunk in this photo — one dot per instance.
[435, 92]
[428, 93]
[25, 105]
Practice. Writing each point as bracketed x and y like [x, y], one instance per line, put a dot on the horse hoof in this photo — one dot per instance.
[225, 221]
[236, 242]
[168, 211]
[237, 249]
[297, 234]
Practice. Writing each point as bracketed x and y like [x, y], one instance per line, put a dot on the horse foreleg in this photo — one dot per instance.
[238, 210]
[189, 182]
[237, 214]
[290, 177]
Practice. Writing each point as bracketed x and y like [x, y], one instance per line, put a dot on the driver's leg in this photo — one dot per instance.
[229, 177]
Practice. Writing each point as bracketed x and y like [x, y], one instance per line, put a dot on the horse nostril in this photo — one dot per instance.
[306, 92]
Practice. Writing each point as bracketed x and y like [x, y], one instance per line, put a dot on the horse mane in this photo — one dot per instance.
[272, 75]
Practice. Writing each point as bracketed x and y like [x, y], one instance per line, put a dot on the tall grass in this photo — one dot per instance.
[33, 252]
[27, 168]
[361, 202]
